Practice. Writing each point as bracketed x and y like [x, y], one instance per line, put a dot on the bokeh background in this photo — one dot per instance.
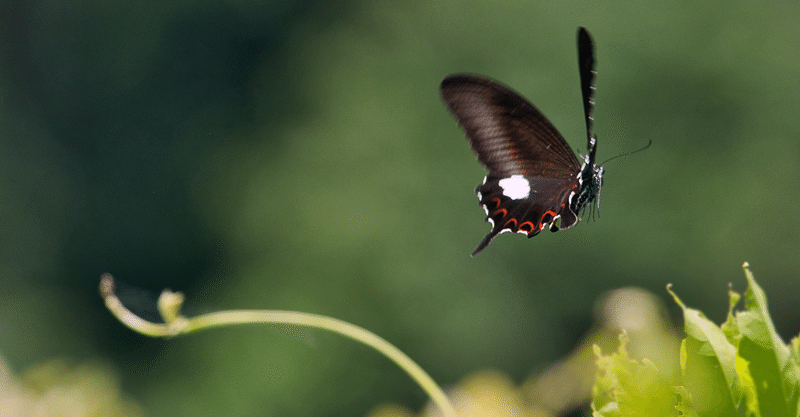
[296, 155]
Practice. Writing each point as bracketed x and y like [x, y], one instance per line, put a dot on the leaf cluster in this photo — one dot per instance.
[740, 368]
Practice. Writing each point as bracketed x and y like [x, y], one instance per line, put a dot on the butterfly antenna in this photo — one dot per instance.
[650, 142]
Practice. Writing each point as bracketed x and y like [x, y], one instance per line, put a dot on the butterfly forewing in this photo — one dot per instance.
[508, 133]
[586, 70]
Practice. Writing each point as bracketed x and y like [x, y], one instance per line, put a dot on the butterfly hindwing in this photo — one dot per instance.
[546, 202]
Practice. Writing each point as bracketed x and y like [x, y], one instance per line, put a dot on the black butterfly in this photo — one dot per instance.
[534, 177]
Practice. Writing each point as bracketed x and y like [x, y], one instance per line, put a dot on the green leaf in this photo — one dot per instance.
[773, 367]
[731, 326]
[684, 405]
[627, 388]
[741, 368]
[708, 362]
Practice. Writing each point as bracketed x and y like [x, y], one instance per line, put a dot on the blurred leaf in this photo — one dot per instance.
[626, 387]
[684, 404]
[485, 393]
[58, 388]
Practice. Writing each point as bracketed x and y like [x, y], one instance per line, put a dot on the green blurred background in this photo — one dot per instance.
[296, 155]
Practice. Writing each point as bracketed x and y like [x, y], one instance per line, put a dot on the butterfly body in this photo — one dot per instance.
[535, 181]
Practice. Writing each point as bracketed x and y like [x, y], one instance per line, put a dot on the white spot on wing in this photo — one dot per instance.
[515, 187]
[480, 198]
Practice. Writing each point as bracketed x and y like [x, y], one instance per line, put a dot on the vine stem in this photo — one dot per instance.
[169, 305]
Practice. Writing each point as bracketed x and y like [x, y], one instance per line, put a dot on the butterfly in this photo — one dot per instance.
[535, 180]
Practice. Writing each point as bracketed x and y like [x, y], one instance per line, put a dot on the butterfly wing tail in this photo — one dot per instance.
[484, 243]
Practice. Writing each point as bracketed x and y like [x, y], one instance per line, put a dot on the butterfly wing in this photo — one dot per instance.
[509, 135]
[532, 171]
[591, 177]
[587, 73]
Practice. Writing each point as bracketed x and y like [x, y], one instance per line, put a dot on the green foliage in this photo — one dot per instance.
[741, 368]
[60, 387]
[626, 387]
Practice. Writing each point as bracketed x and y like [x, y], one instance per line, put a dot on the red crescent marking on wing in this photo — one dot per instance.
[509, 221]
[505, 212]
[551, 213]
[523, 225]
[497, 201]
